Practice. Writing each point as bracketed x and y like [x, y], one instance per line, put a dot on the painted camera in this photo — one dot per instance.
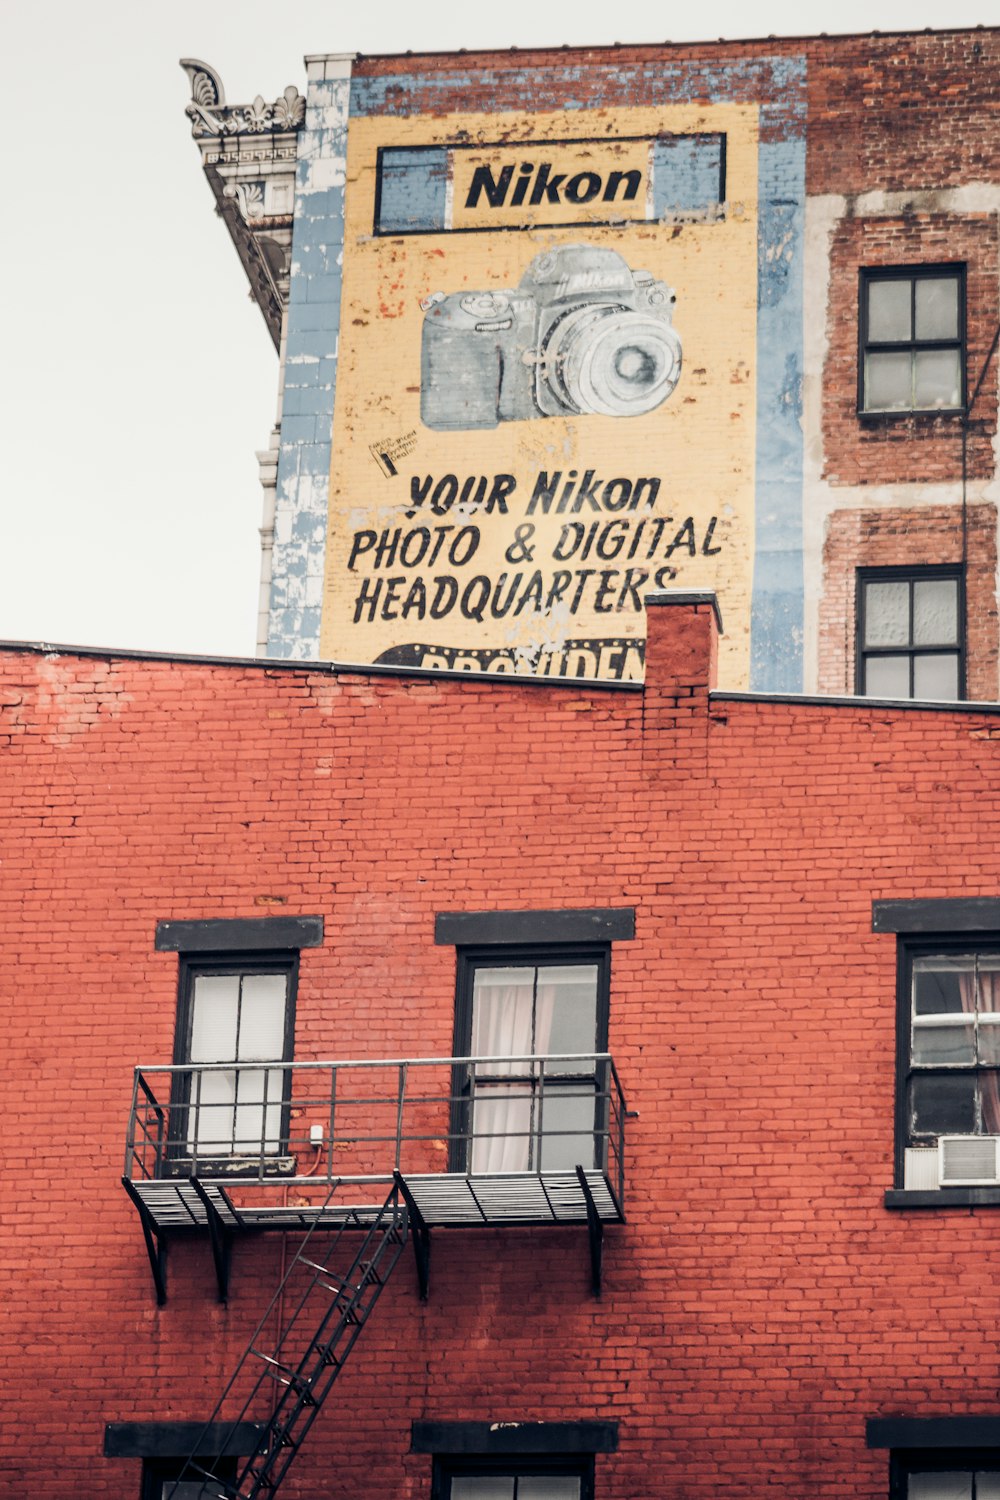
[582, 333]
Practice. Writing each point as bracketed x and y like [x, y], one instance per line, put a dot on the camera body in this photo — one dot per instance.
[583, 333]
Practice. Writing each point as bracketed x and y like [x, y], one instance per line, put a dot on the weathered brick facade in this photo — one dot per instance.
[919, 449]
[762, 1301]
[871, 153]
[907, 538]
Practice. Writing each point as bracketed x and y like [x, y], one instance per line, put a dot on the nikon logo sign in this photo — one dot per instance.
[541, 185]
[506, 185]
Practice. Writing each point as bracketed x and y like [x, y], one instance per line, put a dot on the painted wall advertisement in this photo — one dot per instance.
[545, 388]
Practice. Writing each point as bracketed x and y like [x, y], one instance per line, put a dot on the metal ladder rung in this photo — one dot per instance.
[285, 1375]
[328, 1275]
[327, 1357]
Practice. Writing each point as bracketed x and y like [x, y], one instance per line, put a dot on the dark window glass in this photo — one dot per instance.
[912, 339]
[949, 1054]
[954, 1084]
[910, 634]
[535, 1478]
[161, 1479]
[946, 1475]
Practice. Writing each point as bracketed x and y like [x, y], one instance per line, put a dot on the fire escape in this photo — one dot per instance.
[354, 1158]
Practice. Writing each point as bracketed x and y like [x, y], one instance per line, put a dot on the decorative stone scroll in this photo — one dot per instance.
[210, 115]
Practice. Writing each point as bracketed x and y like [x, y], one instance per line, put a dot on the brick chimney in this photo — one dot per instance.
[682, 637]
[682, 645]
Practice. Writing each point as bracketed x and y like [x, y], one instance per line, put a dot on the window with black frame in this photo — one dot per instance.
[946, 1476]
[161, 1479]
[911, 637]
[533, 1098]
[950, 1056]
[235, 1030]
[912, 340]
[530, 1479]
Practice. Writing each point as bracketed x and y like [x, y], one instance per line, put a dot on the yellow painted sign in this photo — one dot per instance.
[545, 388]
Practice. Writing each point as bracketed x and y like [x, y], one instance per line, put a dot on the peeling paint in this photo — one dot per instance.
[773, 85]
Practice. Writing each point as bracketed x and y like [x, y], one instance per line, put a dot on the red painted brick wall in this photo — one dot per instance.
[760, 1303]
[898, 538]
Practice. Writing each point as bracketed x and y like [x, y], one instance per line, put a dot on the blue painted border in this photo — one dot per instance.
[311, 333]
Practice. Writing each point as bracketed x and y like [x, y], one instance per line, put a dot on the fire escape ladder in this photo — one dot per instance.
[322, 1303]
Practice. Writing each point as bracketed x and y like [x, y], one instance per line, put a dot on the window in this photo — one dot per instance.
[547, 1013]
[240, 1012]
[219, 1448]
[910, 634]
[531, 1014]
[947, 1050]
[953, 1066]
[495, 1460]
[912, 332]
[161, 1479]
[944, 1475]
[504, 1479]
[939, 1458]
[953, 1484]
[236, 1006]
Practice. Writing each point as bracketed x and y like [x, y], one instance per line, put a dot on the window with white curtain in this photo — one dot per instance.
[235, 1020]
[531, 1097]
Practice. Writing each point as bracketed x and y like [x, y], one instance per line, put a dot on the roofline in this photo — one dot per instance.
[894, 705]
[820, 36]
[272, 664]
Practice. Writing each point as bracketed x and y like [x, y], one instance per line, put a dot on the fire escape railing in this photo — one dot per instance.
[525, 1140]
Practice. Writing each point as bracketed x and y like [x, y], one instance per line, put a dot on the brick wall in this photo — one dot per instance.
[760, 1303]
[887, 450]
[903, 538]
[903, 113]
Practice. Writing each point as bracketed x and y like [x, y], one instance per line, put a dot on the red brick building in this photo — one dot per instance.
[779, 917]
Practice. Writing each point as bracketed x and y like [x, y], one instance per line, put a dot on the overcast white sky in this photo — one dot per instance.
[137, 376]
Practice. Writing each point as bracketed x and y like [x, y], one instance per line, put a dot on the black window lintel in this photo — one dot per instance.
[933, 1432]
[489, 929]
[977, 914]
[174, 1439]
[239, 935]
[514, 1438]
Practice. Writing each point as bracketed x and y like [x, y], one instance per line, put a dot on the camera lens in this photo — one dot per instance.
[611, 361]
[635, 366]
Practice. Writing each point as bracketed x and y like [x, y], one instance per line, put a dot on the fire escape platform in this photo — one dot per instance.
[443, 1200]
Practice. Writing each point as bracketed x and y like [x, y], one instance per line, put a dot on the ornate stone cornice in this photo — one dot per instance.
[248, 153]
[210, 115]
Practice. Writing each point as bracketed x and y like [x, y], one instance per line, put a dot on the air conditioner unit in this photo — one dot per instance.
[968, 1160]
